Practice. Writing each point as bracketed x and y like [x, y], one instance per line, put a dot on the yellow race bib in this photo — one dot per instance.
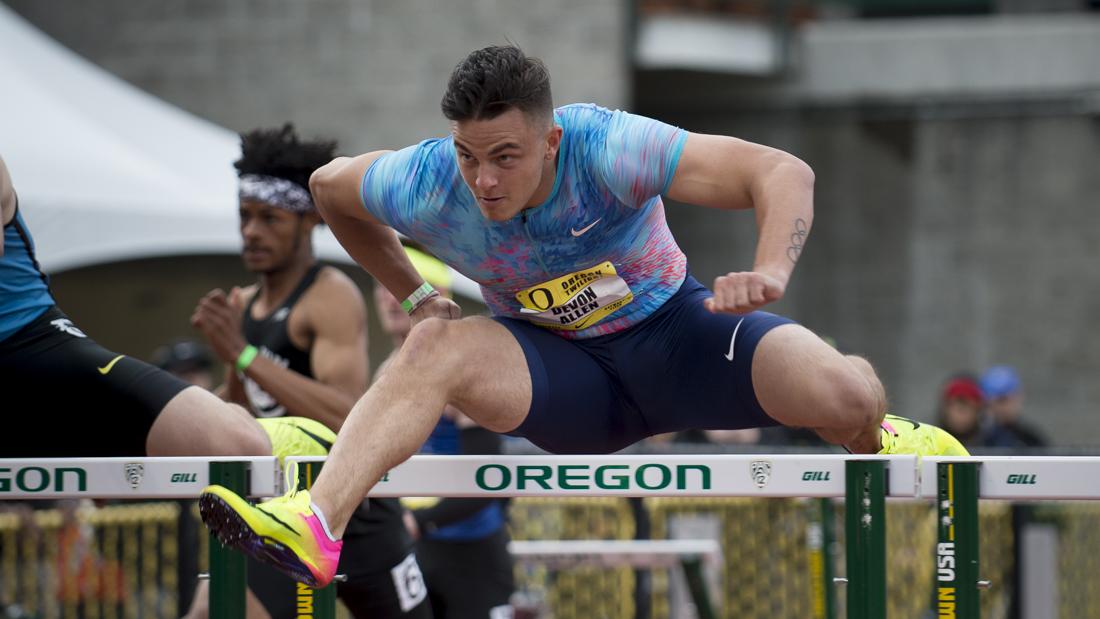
[577, 300]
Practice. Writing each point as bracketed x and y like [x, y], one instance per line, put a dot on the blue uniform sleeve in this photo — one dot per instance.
[639, 157]
[385, 190]
[399, 184]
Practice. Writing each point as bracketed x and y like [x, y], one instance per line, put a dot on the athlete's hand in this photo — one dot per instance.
[218, 317]
[741, 293]
[436, 307]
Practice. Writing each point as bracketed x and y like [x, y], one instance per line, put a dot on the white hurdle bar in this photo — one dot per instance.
[1000, 477]
[955, 484]
[126, 478]
[634, 475]
[1025, 478]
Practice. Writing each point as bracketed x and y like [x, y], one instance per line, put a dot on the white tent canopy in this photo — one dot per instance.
[107, 172]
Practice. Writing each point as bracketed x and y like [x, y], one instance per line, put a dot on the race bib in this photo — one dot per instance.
[575, 301]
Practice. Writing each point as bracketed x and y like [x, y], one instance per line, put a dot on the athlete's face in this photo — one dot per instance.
[272, 237]
[508, 162]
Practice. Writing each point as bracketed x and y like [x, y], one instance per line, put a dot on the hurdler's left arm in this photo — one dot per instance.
[728, 173]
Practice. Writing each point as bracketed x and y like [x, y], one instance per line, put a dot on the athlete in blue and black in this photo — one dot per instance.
[48, 362]
[599, 337]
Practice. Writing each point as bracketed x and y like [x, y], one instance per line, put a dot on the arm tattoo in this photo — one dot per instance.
[798, 240]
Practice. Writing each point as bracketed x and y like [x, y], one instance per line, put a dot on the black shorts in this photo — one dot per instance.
[70, 397]
[468, 579]
[682, 368]
[394, 591]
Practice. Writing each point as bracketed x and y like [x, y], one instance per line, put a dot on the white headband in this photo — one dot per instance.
[278, 192]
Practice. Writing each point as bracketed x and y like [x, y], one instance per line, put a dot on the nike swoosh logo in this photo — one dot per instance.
[729, 355]
[320, 441]
[576, 232]
[107, 368]
[276, 519]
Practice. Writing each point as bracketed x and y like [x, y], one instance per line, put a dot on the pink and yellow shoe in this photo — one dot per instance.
[283, 531]
[901, 435]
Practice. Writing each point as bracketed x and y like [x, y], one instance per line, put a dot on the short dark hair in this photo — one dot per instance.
[282, 154]
[493, 80]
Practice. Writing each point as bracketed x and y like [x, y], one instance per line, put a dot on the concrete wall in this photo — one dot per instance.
[939, 245]
[956, 197]
[368, 72]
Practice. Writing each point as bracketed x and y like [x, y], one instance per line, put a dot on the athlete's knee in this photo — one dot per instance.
[856, 394]
[433, 343]
[251, 437]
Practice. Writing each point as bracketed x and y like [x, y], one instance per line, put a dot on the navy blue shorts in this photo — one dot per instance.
[673, 371]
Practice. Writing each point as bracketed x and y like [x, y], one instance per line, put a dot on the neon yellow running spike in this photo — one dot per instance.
[283, 532]
[901, 435]
[297, 436]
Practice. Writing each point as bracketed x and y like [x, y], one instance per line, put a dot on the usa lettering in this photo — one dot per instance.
[945, 561]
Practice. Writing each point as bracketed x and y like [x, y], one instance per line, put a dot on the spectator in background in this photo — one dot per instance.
[961, 409]
[1005, 398]
[187, 359]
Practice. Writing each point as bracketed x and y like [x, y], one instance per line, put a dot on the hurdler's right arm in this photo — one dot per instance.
[375, 246]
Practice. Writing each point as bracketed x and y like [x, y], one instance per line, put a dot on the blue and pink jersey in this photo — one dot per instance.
[595, 258]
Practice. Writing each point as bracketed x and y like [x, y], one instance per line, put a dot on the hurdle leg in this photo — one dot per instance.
[820, 535]
[957, 544]
[865, 529]
[320, 603]
[697, 585]
[228, 577]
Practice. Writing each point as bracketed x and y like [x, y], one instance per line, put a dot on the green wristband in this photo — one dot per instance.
[248, 355]
[417, 297]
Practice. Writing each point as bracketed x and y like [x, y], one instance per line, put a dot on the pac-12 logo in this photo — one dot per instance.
[134, 473]
[761, 471]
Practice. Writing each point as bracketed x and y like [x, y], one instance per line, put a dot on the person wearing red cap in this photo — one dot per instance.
[961, 409]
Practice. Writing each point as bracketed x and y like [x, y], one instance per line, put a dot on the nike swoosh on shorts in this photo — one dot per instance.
[729, 355]
[111, 364]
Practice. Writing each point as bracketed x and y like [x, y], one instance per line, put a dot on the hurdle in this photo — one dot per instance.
[955, 484]
[864, 481]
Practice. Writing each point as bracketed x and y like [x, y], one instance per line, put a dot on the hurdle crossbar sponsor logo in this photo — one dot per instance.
[1022, 479]
[43, 479]
[184, 478]
[817, 476]
[650, 476]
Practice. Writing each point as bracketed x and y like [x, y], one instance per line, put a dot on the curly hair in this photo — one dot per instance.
[282, 154]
